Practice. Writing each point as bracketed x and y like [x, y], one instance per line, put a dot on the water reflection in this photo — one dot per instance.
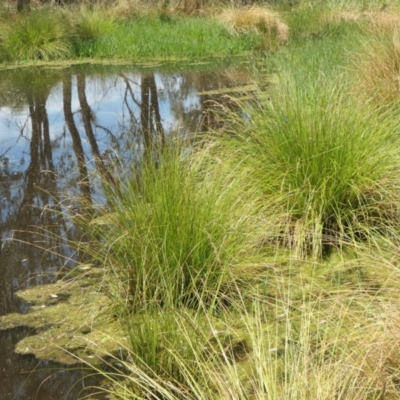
[23, 378]
[56, 127]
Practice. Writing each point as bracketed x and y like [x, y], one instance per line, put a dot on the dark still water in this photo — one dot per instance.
[56, 127]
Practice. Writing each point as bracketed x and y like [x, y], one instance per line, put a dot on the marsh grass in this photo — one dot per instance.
[152, 37]
[153, 340]
[129, 31]
[306, 20]
[90, 24]
[207, 252]
[39, 35]
[297, 335]
[262, 264]
[376, 68]
[328, 170]
[172, 236]
[320, 50]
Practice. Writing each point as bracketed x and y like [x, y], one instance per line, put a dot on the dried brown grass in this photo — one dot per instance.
[378, 353]
[377, 69]
[255, 18]
[377, 21]
[376, 65]
[127, 8]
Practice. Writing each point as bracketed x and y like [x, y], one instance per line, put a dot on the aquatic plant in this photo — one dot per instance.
[39, 35]
[90, 24]
[172, 235]
[328, 169]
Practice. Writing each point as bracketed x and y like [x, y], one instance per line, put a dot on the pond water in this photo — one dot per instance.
[56, 127]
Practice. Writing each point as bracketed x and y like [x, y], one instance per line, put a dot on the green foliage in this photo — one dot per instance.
[328, 169]
[38, 35]
[45, 34]
[168, 238]
[316, 25]
[91, 24]
[154, 38]
[154, 338]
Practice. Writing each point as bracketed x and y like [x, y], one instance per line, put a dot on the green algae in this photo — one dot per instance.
[71, 320]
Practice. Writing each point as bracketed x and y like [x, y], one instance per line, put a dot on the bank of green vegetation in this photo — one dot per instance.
[73, 32]
[262, 261]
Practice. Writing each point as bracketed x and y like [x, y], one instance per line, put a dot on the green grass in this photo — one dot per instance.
[39, 35]
[323, 48]
[191, 38]
[90, 25]
[327, 168]
[261, 263]
[97, 32]
[173, 242]
[168, 236]
[297, 199]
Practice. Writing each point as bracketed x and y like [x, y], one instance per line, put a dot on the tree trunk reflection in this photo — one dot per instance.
[76, 140]
[87, 118]
[150, 119]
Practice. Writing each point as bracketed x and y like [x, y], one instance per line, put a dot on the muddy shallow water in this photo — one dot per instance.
[56, 127]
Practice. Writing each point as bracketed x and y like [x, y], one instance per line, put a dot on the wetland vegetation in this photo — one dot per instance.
[260, 258]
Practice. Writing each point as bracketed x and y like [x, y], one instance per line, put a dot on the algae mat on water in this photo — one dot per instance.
[69, 319]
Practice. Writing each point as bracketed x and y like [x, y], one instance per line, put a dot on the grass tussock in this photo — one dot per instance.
[327, 169]
[90, 24]
[38, 35]
[169, 236]
[258, 19]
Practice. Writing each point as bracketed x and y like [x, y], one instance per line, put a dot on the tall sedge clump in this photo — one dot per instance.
[171, 237]
[91, 24]
[36, 35]
[328, 170]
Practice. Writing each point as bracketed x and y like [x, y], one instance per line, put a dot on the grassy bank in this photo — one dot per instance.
[75, 32]
[137, 31]
[153, 38]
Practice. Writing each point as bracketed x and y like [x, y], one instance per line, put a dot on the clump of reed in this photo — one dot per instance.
[327, 169]
[172, 235]
[90, 24]
[258, 19]
[37, 35]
